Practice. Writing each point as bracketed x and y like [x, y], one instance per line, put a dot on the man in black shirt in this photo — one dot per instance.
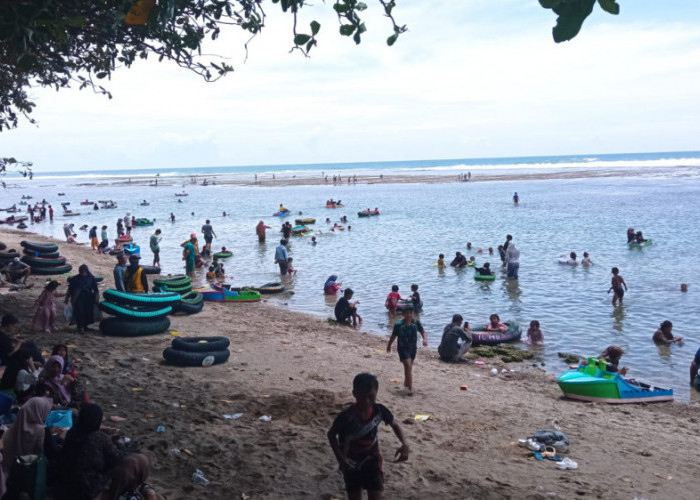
[450, 349]
[344, 310]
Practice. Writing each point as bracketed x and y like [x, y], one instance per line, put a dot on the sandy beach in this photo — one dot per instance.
[298, 369]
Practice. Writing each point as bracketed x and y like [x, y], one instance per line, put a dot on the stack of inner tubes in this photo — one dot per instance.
[136, 314]
[197, 351]
[44, 259]
[191, 301]
[179, 283]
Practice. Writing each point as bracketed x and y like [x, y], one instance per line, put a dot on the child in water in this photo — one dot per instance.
[415, 299]
[441, 260]
[290, 266]
[616, 284]
[534, 334]
[484, 271]
[495, 324]
[586, 261]
[211, 275]
[392, 300]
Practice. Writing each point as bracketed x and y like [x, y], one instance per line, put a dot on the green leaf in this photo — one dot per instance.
[311, 43]
[356, 37]
[610, 6]
[347, 29]
[74, 22]
[361, 6]
[572, 14]
[101, 74]
[392, 39]
[340, 8]
[301, 39]
[549, 4]
[315, 26]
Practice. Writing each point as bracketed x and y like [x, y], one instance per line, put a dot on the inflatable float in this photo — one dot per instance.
[484, 277]
[143, 222]
[308, 220]
[132, 249]
[223, 255]
[269, 288]
[634, 244]
[593, 382]
[480, 336]
[125, 238]
[222, 293]
[301, 230]
[368, 213]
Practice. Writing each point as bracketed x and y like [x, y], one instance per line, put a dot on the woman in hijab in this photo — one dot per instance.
[331, 287]
[88, 457]
[26, 435]
[83, 295]
[64, 389]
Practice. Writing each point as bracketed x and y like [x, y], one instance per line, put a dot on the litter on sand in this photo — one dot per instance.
[266, 418]
[423, 417]
[233, 417]
[173, 332]
[464, 387]
[394, 380]
[477, 362]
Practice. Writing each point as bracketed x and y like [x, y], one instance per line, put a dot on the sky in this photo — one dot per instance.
[470, 79]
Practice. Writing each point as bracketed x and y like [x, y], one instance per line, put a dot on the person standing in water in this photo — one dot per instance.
[616, 285]
[260, 231]
[155, 246]
[516, 198]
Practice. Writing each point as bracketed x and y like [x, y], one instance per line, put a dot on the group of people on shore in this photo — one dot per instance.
[46, 412]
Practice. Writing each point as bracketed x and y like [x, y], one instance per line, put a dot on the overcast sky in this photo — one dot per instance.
[473, 78]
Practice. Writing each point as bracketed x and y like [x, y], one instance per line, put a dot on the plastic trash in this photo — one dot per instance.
[160, 428]
[494, 371]
[266, 418]
[235, 416]
[176, 451]
[198, 478]
[423, 417]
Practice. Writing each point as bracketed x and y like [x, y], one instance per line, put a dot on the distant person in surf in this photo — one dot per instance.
[516, 198]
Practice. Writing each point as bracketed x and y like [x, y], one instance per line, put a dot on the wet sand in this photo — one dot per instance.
[298, 369]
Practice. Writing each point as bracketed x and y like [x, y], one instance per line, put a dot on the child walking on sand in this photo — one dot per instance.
[616, 285]
[354, 439]
[45, 316]
[534, 334]
[406, 331]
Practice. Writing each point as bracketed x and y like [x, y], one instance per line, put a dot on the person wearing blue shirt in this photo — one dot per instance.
[281, 257]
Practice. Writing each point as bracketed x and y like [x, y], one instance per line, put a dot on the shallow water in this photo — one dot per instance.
[420, 221]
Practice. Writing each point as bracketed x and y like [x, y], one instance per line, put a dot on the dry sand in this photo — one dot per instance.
[299, 369]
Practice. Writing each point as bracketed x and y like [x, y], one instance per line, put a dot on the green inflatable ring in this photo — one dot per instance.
[38, 247]
[480, 277]
[174, 281]
[186, 358]
[223, 255]
[50, 271]
[43, 262]
[43, 255]
[190, 303]
[132, 312]
[123, 327]
[141, 299]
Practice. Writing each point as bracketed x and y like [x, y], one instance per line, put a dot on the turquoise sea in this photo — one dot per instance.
[419, 221]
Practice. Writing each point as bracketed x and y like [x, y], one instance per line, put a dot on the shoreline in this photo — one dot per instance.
[298, 368]
[289, 179]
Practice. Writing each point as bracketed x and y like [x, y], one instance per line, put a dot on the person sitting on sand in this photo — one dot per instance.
[25, 436]
[534, 334]
[459, 260]
[392, 300]
[104, 244]
[345, 310]
[135, 279]
[68, 366]
[612, 355]
[664, 335]
[450, 349]
[331, 287]
[485, 270]
[16, 271]
[495, 324]
[354, 439]
[21, 375]
[631, 236]
[65, 390]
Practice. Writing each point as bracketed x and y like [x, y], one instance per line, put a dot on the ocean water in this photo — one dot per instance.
[531, 164]
[419, 221]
